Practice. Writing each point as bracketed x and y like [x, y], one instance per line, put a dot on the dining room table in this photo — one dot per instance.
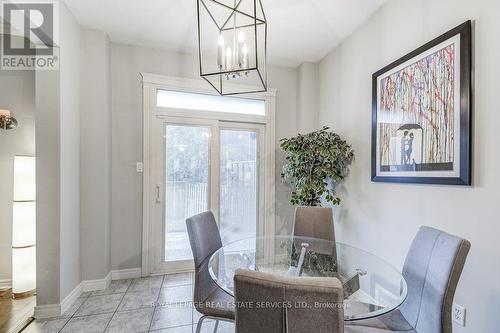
[372, 286]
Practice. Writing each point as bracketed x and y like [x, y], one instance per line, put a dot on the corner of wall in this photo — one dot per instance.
[308, 97]
[69, 128]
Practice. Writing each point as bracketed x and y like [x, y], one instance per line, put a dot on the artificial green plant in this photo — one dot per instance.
[315, 163]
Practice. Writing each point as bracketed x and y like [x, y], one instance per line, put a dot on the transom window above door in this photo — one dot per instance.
[202, 102]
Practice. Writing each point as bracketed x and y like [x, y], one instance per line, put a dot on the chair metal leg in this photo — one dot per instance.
[198, 326]
[217, 319]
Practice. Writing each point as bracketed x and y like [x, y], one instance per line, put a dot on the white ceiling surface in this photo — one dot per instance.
[299, 30]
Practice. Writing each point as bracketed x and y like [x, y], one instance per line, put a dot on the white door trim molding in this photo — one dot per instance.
[197, 85]
[152, 82]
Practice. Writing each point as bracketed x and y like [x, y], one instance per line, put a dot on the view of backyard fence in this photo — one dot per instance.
[187, 189]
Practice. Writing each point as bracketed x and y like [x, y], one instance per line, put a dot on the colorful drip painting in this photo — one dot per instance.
[421, 114]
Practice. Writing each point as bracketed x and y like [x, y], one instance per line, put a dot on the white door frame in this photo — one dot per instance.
[151, 83]
[156, 169]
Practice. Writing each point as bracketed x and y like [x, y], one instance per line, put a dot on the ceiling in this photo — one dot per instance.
[299, 30]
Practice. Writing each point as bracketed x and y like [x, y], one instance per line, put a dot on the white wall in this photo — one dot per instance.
[17, 93]
[383, 218]
[126, 63]
[95, 148]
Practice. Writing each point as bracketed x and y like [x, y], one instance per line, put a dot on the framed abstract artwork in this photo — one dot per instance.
[421, 114]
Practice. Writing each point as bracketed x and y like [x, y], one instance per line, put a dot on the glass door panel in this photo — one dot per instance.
[187, 174]
[238, 184]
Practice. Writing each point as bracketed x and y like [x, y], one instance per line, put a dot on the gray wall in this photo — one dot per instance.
[126, 63]
[58, 169]
[286, 80]
[95, 148]
[382, 218]
[308, 97]
[17, 94]
[70, 151]
[47, 187]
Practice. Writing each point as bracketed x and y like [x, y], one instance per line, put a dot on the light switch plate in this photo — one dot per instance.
[139, 167]
[458, 314]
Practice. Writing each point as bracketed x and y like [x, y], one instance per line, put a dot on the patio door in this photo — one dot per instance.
[198, 165]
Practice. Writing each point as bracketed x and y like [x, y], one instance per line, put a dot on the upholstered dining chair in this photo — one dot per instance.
[268, 303]
[314, 222]
[432, 269]
[209, 299]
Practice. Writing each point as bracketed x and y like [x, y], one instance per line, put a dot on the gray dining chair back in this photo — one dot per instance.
[268, 303]
[432, 269]
[210, 300]
[205, 240]
[314, 222]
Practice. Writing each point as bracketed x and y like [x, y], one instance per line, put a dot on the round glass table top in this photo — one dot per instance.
[372, 287]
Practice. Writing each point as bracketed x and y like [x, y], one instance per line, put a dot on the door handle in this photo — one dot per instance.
[158, 193]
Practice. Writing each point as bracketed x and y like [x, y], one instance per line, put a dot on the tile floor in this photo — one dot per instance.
[161, 304]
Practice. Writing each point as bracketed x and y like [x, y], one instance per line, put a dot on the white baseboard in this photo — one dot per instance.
[55, 310]
[119, 274]
[47, 311]
[68, 301]
[5, 284]
[129, 273]
[97, 284]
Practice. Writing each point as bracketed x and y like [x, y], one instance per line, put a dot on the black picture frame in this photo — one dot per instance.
[465, 175]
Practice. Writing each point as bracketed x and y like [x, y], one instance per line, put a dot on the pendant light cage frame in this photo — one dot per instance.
[222, 15]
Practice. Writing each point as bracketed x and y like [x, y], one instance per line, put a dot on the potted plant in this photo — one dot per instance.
[315, 163]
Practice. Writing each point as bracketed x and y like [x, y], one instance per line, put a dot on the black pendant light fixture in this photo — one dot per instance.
[232, 43]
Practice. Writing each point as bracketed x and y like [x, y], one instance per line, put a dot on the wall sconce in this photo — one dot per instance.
[24, 227]
[7, 121]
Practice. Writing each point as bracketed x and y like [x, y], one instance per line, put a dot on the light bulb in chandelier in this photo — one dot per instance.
[241, 44]
[231, 66]
[229, 59]
[220, 53]
[244, 55]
